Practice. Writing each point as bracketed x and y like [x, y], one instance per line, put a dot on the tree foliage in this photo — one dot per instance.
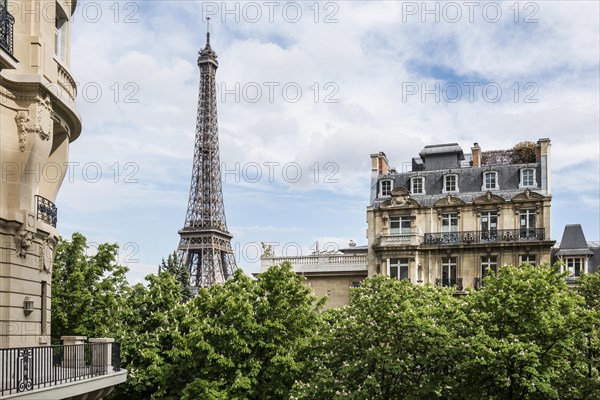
[523, 335]
[242, 339]
[88, 291]
[523, 153]
[176, 268]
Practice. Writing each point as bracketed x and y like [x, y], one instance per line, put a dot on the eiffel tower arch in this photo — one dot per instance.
[205, 244]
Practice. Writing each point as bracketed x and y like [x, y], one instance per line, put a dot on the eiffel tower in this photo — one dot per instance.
[205, 244]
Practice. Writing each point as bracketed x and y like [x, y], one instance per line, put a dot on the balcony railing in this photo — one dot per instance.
[451, 282]
[46, 210]
[503, 235]
[30, 368]
[6, 29]
[394, 239]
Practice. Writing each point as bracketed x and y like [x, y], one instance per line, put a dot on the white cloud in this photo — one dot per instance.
[367, 55]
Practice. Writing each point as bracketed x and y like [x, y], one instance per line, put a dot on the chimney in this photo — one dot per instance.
[379, 163]
[476, 155]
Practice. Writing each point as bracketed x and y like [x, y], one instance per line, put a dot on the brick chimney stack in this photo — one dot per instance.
[476, 155]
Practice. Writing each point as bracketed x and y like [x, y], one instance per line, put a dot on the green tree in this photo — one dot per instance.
[151, 321]
[242, 339]
[394, 341]
[174, 266]
[525, 326]
[88, 291]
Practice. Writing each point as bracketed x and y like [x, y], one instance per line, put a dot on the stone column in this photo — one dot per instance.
[73, 351]
[102, 355]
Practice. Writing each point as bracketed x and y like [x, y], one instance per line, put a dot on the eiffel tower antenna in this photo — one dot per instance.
[205, 244]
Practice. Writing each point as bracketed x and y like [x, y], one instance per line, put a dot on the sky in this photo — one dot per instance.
[307, 91]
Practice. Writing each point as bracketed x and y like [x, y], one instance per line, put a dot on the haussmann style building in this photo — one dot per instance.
[38, 121]
[447, 220]
[454, 216]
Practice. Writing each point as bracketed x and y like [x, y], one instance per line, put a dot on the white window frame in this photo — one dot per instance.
[445, 187]
[391, 182]
[488, 262]
[530, 259]
[485, 182]
[449, 264]
[60, 34]
[570, 264]
[399, 264]
[522, 178]
[412, 184]
[401, 229]
[452, 223]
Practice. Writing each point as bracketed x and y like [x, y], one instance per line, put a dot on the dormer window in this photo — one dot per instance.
[528, 178]
[417, 185]
[450, 183]
[490, 180]
[385, 187]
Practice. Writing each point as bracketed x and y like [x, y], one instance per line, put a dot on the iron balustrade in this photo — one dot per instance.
[30, 368]
[500, 235]
[450, 282]
[46, 210]
[6, 29]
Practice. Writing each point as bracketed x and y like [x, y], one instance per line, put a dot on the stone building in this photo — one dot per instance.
[576, 255]
[38, 121]
[328, 273]
[454, 216]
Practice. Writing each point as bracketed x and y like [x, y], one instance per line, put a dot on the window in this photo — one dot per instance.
[417, 185]
[527, 224]
[60, 34]
[490, 180]
[489, 225]
[450, 183]
[528, 178]
[527, 258]
[385, 188]
[449, 222]
[399, 268]
[489, 264]
[400, 225]
[449, 271]
[574, 266]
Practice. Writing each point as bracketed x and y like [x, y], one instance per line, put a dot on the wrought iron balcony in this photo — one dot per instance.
[46, 210]
[501, 235]
[30, 368]
[6, 29]
[451, 282]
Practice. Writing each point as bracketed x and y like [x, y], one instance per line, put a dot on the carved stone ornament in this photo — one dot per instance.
[267, 250]
[527, 196]
[44, 118]
[489, 198]
[400, 199]
[46, 255]
[24, 241]
[449, 200]
[22, 119]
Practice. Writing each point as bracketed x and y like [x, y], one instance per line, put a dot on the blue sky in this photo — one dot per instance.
[348, 79]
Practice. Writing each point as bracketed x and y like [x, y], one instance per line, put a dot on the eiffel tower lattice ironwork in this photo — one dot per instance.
[205, 244]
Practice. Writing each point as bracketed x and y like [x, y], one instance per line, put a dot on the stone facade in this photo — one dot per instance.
[38, 121]
[453, 216]
[330, 274]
